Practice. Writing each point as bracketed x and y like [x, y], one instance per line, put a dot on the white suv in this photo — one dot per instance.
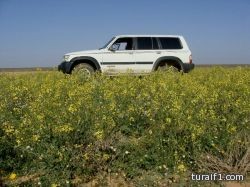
[134, 53]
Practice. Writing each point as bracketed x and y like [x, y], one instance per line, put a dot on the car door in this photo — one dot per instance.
[146, 53]
[120, 56]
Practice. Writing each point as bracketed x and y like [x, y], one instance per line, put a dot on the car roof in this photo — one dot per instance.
[153, 35]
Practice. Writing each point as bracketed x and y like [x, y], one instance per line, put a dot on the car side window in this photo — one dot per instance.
[144, 43]
[122, 44]
[170, 43]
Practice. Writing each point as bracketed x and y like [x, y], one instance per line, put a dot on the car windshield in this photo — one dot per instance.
[107, 43]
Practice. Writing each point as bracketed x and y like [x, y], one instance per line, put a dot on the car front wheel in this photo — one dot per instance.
[83, 69]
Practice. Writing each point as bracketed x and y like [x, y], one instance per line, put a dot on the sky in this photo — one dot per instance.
[37, 33]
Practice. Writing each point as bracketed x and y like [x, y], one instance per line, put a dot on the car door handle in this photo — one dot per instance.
[158, 52]
[130, 53]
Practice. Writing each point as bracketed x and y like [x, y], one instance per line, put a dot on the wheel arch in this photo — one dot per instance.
[85, 59]
[168, 59]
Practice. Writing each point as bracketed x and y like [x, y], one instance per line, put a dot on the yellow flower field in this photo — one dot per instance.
[71, 130]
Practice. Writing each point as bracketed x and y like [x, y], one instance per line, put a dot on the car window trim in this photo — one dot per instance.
[157, 42]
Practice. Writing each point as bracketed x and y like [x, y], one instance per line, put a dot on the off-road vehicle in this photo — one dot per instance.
[134, 53]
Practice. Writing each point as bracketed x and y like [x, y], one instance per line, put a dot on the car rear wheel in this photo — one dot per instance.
[167, 67]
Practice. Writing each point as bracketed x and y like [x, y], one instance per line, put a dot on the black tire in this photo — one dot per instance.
[166, 67]
[83, 69]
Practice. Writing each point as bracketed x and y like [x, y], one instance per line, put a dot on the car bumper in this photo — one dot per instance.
[187, 67]
[64, 67]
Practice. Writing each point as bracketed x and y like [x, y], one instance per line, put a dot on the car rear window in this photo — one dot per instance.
[170, 43]
[144, 43]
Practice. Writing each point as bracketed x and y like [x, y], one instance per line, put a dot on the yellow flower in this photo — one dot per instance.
[99, 135]
[105, 156]
[86, 156]
[181, 168]
[72, 108]
[54, 185]
[64, 128]
[12, 176]
[35, 138]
